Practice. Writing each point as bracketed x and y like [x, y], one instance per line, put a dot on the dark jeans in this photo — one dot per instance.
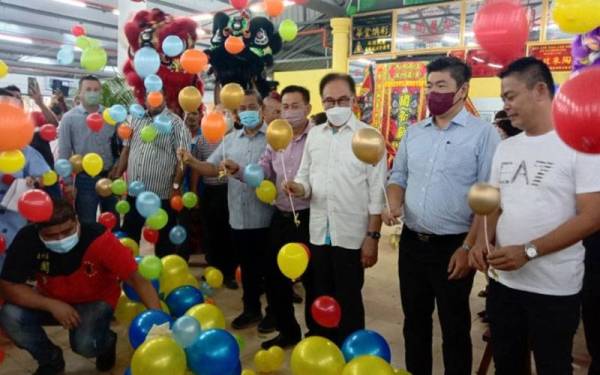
[338, 272]
[279, 287]
[217, 232]
[521, 320]
[423, 269]
[251, 246]
[91, 338]
[134, 222]
[87, 200]
[591, 300]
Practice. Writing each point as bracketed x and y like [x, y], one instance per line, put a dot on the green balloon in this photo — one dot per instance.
[93, 59]
[351, 10]
[122, 207]
[118, 187]
[94, 43]
[240, 340]
[150, 267]
[158, 220]
[148, 133]
[82, 42]
[190, 200]
[288, 30]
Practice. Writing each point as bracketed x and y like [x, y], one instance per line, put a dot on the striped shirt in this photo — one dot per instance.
[154, 163]
[202, 150]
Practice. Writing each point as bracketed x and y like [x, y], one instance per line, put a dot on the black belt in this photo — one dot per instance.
[289, 214]
[426, 237]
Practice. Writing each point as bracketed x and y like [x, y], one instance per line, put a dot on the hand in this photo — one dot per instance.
[478, 257]
[36, 95]
[65, 314]
[390, 216]
[508, 258]
[458, 267]
[368, 252]
[114, 173]
[185, 156]
[293, 188]
[229, 166]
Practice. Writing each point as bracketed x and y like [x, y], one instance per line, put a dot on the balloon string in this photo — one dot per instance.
[387, 199]
[487, 244]
[296, 220]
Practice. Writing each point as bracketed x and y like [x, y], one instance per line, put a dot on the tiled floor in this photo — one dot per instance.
[384, 315]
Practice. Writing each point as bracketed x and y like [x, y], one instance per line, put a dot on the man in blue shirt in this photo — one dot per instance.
[437, 162]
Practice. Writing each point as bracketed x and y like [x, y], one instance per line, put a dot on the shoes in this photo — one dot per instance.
[267, 325]
[57, 366]
[297, 298]
[106, 361]
[245, 320]
[231, 284]
[281, 341]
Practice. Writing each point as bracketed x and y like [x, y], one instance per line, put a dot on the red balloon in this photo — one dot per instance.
[36, 206]
[78, 30]
[576, 113]
[239, 4]
[48, 132]
[326, 311]
[8, 179]
[502, 29]
[108, 219]
[150, 235]
[95, 122]
[177, 203]
[2, 243]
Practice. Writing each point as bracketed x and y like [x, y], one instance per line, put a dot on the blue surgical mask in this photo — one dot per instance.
[250, 119]
[63, 245]
[92, 98]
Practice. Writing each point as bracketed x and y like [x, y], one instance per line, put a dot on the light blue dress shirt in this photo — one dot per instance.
[437, 167]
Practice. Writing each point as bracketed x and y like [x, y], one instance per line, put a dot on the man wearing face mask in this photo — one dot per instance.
[78, 268]
[249, 218]
[437, 162]
[346, 200]
[75, 137]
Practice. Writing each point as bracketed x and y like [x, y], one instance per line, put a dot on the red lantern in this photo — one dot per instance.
[95, 122]
[177, 203]
[48, 132]
[36, 206]
[326, 311]
[108, 219]
[150, 235]
[78, 30]
[239, 4]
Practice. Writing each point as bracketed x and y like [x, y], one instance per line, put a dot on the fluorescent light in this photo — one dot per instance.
[15, 39]
[110, 69]
[407, 39]
[202, 17]
[74, 3]
[450, 39]
[287, 3]
[116, 12]
[478, 59]
[469, 34]
[497, 66]
[553, 27]
[37, 60]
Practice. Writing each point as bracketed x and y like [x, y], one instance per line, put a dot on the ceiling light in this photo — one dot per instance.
[497, 66]
[287, 3]
[37, 60]
[553, 27]
[202, 17]
[469, 34]
[450, 39]
[15, 39]
[110, 69]
[116, 12]
[407, 39]
[74, 3]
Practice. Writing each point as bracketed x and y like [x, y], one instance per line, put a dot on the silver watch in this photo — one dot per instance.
[531, 251]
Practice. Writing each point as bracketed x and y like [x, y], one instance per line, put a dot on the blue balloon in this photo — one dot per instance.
[147, 203]
[162, 123]
[65, 55]
[146, 61]
[206, 289]
[172, 46]
[63, 168]
[153, 83]
[365, 342]
[253, 175]
[177, 235]
[136, 188]
[137, 111]
[132, 294]
[141, 325]
[215, 352]
[182, 298]
[185, 330]
[118, 113]
[120, 234]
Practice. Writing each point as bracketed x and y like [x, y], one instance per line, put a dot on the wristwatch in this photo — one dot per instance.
[176, 186]
[531, 251]
[374, 235]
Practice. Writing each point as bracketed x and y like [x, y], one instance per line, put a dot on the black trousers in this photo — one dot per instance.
[423, 270]
[591, 300]
[251, 246]
[217, 232]
[278, 286]
[338, 272]
[521, 320]
[134, 222]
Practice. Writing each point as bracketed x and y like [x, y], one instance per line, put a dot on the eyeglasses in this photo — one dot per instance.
[344, 101]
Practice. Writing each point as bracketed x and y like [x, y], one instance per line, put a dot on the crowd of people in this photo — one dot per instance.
[530, 248]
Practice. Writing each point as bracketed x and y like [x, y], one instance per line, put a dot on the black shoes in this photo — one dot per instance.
[281, 341]
[106, 361]
[267, 325]
[245, 320]
[57, 366]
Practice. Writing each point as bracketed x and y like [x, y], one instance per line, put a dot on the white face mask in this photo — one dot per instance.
[339, 116]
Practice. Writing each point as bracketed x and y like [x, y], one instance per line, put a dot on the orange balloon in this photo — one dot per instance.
[273, 8]
[234, 45]
[125, 131]
[155, 99]
[16, 128]
[194, 61]
[177, 203]
[214, 127]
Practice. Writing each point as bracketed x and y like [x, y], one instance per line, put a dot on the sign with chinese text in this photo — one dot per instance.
[372, 34]
[556, 56]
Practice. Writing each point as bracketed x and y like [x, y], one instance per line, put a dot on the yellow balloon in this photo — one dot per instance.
[190, 99]
[483, 198]
[368, 145]
[49, 178]
[192, 280]
[92, 164]
[266, 192]
[279, 134]
[132, 245]
[174, 264]
[576, 16]
[3, 69]
[209, 316]
[368, 364]
[231, 95]
[277, 357]
[172, 281]
[107, 119]
[398, 371]
[126, 310]
[164, 307]
[262, 361]
[317, 355]
[248, 372]
[214, 278]
[292, 260]
[77, 163]
[11, 161]
[158, 356]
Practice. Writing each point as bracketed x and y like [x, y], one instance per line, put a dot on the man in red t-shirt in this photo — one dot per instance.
[77, 268]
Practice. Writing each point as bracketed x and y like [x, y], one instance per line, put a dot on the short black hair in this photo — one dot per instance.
[319, 118]
[458, 69]
[13, 88]
[89, 77]
[297, 89]
[532, 71]
[62, 212]
[255, 94]
[337, 77]
[5, 92]
[503, 122]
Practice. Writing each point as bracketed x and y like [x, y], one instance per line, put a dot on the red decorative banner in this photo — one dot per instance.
[556, 56]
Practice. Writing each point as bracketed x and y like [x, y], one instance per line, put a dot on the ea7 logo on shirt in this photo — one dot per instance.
[511, 172]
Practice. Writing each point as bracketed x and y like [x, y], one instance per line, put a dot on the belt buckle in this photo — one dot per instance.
[423, 237]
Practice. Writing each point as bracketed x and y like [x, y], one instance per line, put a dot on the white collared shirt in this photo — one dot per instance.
[343, 190]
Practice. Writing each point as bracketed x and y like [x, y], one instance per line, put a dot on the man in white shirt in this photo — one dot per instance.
[550, 201]
[346, 201]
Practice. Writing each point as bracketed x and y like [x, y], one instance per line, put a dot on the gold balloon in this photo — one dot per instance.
[103, 187]
[484, 198]
[368, 145]
[190, 99]
[317, 355]
[77, 163]
[279, 134]
[231, 95]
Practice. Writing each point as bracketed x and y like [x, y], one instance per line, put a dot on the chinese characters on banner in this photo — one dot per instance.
[556, 56]
[372, 34]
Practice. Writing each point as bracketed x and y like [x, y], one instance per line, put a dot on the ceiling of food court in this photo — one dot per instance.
[36, 30]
